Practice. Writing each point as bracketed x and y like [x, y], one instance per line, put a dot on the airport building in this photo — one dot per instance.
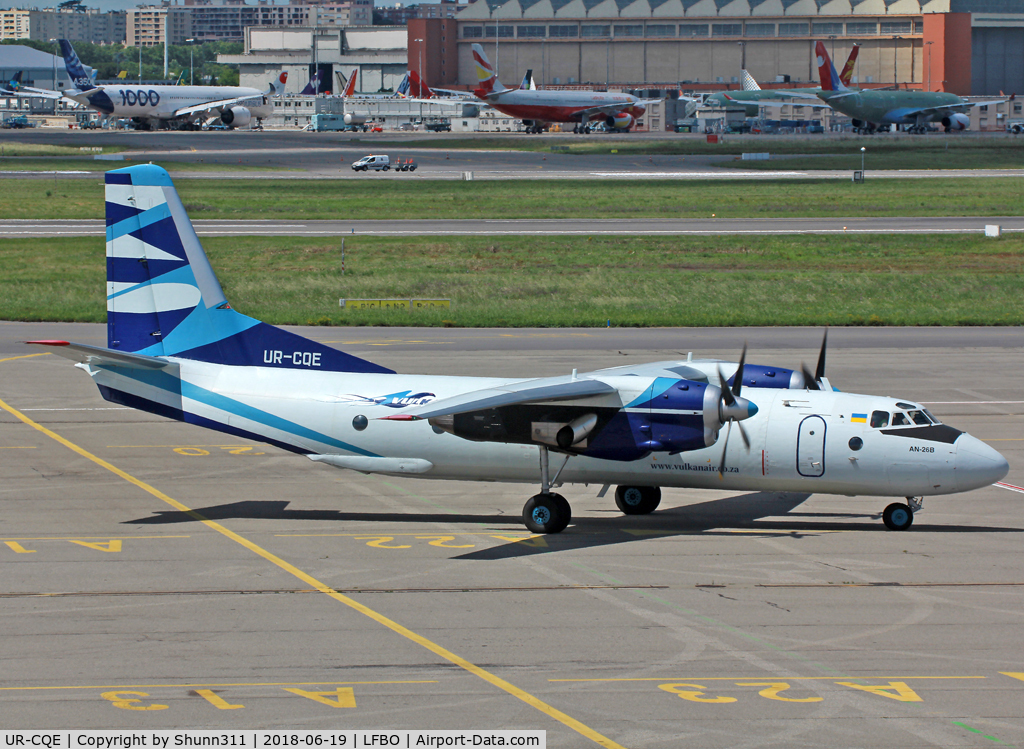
[376, 55]
[961, 46]
[78, 25]
[226, 20]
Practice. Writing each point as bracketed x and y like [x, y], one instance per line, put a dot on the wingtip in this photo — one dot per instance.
[49, 343]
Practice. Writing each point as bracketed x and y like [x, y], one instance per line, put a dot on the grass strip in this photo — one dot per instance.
[295, 200]
[516, 282]
[19, 148]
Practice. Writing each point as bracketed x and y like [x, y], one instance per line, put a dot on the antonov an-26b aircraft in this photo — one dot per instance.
[176, 348]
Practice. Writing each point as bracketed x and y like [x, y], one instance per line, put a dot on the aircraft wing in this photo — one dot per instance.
[513, 394]
[98, 355]
[219, 106]
[778, 103]
[451, 93]
[33, 93]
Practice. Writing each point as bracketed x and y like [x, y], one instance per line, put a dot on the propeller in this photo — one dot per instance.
[813, 382]
[733, 408]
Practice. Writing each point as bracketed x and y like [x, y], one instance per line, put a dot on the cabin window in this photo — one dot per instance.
[879, 419]
[900, 420]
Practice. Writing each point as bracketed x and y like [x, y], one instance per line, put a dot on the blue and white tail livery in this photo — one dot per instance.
[176, 348]
[76, 71]
[163, 298]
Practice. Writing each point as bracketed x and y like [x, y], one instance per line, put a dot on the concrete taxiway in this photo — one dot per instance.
[543, 227]
[156, 575]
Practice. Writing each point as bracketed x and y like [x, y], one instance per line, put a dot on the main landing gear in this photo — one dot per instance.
[547, 512]
[899, 517]
[637, 500]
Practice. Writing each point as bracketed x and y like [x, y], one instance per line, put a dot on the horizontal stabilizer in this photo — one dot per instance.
[529, 391]
[100, 356]
[365, 464]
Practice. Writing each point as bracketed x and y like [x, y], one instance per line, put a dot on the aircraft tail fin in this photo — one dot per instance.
[314, 84]
[528, 83]
[350, 87]
[749, 84]
[277, 85]
[847, 75]
[76, 71]
[826, 70]
[403, 87]
[417, 87]
[487, 78]
[163, 298]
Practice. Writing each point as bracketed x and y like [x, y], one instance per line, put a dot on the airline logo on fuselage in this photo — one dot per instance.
[403, 399]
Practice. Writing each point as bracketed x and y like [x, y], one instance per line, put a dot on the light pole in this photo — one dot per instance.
[54, 79]
[832, 38]
[140, 60]
[191, 59]
[895, 57]
[862, 150]
[929, 45]
[423, 74]
[743, 55]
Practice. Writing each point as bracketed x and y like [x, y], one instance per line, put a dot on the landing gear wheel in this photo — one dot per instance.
[546, 513]
[898, 517]
[637, 500]
[586, 130]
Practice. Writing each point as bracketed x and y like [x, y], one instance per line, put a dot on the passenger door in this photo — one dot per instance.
[810, 447]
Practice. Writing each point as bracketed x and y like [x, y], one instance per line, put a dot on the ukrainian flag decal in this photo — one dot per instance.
[860, 418]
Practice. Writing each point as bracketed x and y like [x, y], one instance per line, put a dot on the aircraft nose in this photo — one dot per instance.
[977, 464]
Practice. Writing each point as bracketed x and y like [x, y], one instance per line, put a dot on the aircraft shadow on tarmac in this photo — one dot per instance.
[729, 516]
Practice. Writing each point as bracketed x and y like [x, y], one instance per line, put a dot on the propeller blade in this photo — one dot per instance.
[737, 380]
[743, 434]
[819, 372]
[809, 382]
[725, 445]
[726, 393]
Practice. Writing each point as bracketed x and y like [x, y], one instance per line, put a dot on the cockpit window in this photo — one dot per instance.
[900, 420]
[879, 419]
[918, 417]
[931, 416]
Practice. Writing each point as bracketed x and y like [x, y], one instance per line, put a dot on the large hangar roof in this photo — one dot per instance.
[594, 9]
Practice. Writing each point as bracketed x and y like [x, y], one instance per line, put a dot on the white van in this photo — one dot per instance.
[372, 162]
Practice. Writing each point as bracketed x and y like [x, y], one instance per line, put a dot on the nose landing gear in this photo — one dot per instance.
[899, 517]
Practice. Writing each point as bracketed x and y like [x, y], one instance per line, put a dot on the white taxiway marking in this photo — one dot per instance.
[1011, 487]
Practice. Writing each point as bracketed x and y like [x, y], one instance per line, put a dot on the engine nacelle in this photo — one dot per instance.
[757, 376]
[236, 117]
[956, 122]
[355, 119]
[620, 121]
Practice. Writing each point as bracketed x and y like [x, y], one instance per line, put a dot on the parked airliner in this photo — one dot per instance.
[152, 107]
[539, 108]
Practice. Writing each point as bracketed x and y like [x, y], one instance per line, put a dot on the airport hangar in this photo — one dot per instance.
[967, 47]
